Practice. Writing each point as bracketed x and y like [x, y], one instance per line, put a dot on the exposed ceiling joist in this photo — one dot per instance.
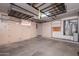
[23, 9]
[47, 7]
[38, 10]
[18, 14]
[41, 5]
[52, 7]
[58, 8]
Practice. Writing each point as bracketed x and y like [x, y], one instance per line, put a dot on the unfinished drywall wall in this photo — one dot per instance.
[13, 32]
[47, 29]
[39, 29]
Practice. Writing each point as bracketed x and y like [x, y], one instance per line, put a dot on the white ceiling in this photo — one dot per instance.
[72, 9]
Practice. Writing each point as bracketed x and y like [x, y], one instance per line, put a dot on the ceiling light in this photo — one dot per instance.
[43, 15]
[47, 13]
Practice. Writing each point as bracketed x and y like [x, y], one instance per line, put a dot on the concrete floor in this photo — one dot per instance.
[40, 47]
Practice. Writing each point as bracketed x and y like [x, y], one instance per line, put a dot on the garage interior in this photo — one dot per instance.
[39, 29]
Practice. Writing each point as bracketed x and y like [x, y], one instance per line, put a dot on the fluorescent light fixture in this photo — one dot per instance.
[43, 15]
[47, 13]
